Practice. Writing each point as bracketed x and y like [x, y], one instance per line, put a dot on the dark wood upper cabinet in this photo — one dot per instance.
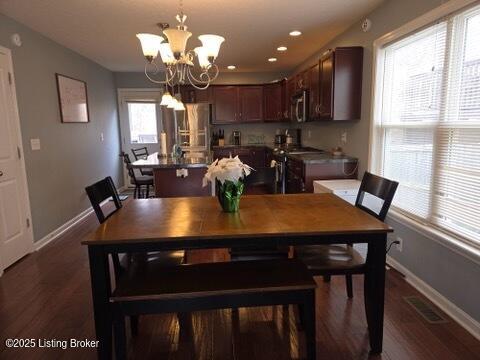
[290, 88]
[192, 95]
[314, 82]
[274, 97]
[251, 103]
[340, 87]
[225, 104]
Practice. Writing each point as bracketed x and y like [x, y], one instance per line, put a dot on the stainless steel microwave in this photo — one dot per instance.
[299, 104]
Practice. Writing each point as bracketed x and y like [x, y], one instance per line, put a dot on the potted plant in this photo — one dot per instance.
[228, 174]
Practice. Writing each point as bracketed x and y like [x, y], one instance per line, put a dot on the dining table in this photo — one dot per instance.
[185, 223]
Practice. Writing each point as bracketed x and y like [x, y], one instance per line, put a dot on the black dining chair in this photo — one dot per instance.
[138, 181]
[338, 259]
[142, 153]
[98, 193]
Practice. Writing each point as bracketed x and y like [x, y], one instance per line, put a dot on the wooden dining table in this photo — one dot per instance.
[267, 220]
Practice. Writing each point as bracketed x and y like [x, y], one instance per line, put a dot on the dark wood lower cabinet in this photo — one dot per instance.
[168, 184]
[300, 176]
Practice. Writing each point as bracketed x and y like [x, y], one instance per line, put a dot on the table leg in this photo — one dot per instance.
[100, 281]
[374, 291]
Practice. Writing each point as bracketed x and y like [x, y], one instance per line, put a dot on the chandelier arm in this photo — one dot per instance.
[193, 81]
[216, 72]
[201, 81]
[151, 79]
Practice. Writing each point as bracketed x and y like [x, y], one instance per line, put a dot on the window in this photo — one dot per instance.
[142, 118]
[427, 123]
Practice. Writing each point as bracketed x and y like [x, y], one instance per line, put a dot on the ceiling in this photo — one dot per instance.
[104, 30]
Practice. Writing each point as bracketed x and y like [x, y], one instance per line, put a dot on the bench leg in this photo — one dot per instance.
[134, 325]
[120, 337]
[348, 279]
[308, 319]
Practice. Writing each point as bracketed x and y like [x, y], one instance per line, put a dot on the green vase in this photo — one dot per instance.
[229, 194]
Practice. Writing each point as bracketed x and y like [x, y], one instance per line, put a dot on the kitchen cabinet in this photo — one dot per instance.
[313, 106]
[225, 104]
[340, 88]
[192, 95]
[169, 184]
[251, 103]
[237, 104]
[289, 92]
[301, 175]
[273, 101]
[302, 81]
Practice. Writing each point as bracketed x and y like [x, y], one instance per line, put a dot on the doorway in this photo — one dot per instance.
[140, 121]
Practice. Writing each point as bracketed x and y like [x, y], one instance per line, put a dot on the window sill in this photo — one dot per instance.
[452, 243]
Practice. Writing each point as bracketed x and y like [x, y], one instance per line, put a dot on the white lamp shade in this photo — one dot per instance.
[150, 44]
[177, 39]
[172, 103]
[166, 54]
[179, 106]
[212, 43]
[166, 99]
[202, 55]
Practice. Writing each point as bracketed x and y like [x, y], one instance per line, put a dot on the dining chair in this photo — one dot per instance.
[142, 153]
[338, 259]
[138, 181]
[98, 193]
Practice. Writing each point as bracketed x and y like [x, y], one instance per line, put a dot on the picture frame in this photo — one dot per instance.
[72, 99]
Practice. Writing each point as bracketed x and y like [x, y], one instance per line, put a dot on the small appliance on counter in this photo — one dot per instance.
[237, 137]
[280, 139]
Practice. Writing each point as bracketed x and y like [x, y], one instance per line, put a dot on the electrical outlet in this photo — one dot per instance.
[399, 246]
[343, 138]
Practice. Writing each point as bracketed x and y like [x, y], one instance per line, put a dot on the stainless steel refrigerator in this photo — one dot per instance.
[189, 128]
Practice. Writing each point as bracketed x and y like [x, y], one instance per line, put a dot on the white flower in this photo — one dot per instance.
[231, 169]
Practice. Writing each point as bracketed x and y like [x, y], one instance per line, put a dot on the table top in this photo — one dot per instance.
[154, 161]
[201, 218]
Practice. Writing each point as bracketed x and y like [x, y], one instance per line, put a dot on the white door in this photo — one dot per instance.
[140, 121]
[15, 233]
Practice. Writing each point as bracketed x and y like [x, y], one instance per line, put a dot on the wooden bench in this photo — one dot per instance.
[147, 290]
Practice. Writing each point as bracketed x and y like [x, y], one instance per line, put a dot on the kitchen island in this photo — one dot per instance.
[177, 177]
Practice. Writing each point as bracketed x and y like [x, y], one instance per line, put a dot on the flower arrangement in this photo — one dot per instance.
[228, 174]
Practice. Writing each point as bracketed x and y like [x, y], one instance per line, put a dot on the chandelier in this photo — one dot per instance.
[179, 62]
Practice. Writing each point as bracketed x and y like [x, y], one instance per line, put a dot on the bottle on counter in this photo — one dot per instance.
[289, 138]
[221, 138]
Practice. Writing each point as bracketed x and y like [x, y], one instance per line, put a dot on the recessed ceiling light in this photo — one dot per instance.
[272, 59]
[295, 33]
[231, 67]
[282, 48]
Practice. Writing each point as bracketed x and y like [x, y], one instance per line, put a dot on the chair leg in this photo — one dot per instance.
[134, 325]
[135, 192]
[120, 337]
[308, 315]
[349, 283]
[301, 316]
[327, 278]
[148, 191]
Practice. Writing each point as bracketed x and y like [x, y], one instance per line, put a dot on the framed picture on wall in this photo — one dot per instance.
[73, 100]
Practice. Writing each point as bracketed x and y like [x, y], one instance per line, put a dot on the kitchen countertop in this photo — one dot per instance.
[154, 161]
[322, 158]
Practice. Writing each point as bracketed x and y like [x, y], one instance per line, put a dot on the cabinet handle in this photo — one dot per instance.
[286, 114]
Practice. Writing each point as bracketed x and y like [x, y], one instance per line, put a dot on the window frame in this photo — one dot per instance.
[376, 159]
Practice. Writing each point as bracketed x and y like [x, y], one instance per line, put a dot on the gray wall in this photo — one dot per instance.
[72, 155]
[451, 274]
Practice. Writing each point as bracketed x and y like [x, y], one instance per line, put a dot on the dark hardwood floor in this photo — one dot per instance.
[47, 296]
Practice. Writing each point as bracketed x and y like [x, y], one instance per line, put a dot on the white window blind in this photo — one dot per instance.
[429, 126]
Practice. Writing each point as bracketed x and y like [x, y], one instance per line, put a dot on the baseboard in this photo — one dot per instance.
[457, 314]
[37, 245]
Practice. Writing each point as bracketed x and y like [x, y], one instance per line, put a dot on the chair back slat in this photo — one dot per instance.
[140, 153]
[128, 164]
[101, 191]
[379, 187]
